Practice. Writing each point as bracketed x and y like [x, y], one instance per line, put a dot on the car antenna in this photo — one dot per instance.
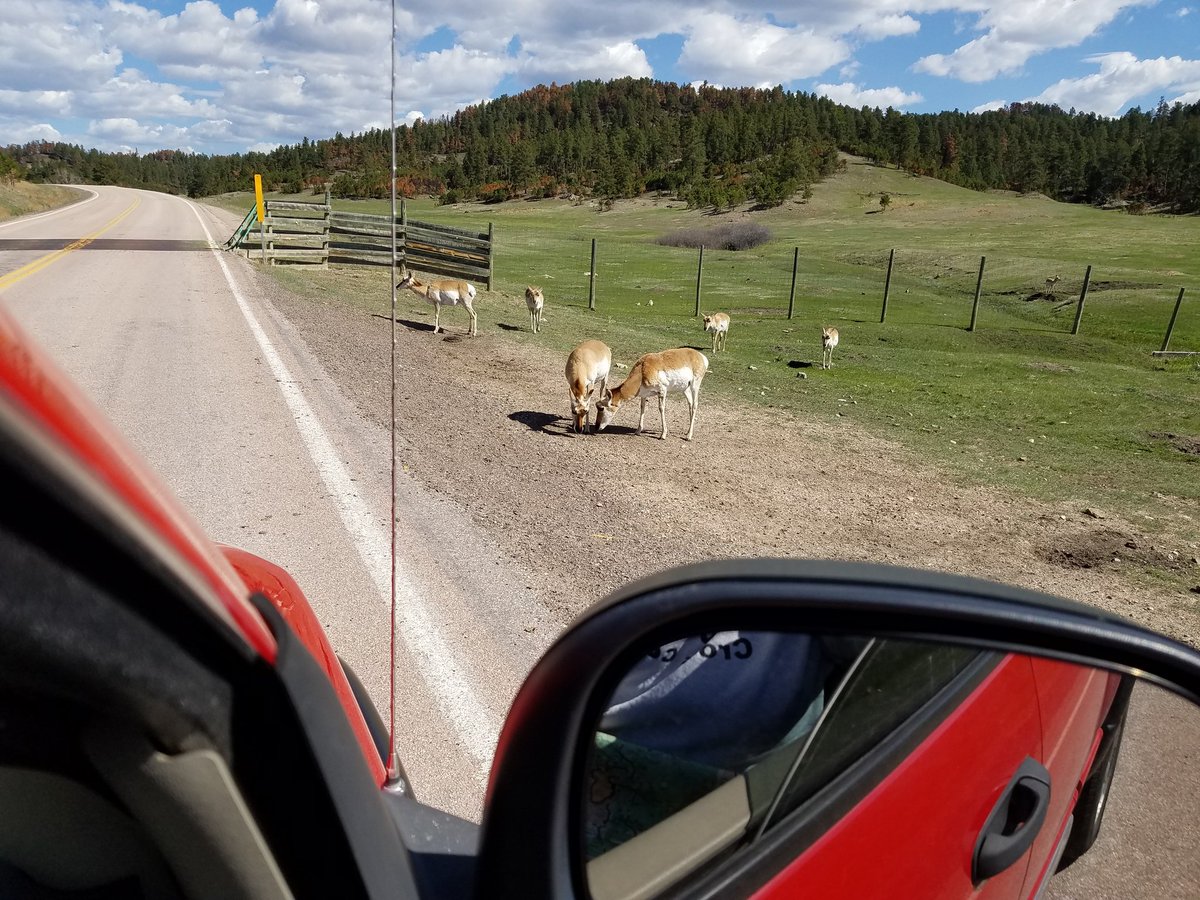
[395, 780]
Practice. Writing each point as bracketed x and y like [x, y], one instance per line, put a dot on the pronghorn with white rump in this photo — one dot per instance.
[535, 301]
[718, 324]
[587, 368]
[443, 292]
[656, 375]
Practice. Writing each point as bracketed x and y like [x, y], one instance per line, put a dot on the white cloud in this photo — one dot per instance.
[1123, 78]
[739, 51]
[990, 106]
[879, 27]
[22, 133]
[53, 45]
[853, 95]
[577, 61]
[1020, 29]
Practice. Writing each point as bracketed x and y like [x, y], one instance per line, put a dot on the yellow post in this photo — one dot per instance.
[258, 205]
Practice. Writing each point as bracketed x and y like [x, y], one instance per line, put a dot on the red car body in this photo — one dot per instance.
[916, 843]
[225, 577]
[1047, 710]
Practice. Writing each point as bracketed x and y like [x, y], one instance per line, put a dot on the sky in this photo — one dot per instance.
[229, 76]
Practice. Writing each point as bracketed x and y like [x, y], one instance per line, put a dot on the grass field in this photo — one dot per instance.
[1020, 403]
[21, 198]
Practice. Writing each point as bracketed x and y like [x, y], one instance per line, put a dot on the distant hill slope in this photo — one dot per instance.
[712, 147]
[21, 198]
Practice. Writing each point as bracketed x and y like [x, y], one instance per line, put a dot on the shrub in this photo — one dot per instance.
[731, 236]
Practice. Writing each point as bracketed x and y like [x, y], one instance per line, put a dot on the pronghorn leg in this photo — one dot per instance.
[642, 416]
[437, 317]
[474, 329]
[693, 398]
[662, 413]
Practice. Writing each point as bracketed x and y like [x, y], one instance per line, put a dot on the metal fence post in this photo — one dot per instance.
[792, 295]
[592, 278]
[699, 278]
[978, 290]
[887, 286]
[1087, 279]
[1174, 316]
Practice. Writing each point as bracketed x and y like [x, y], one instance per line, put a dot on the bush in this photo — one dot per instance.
[450, 197]
[731, 236]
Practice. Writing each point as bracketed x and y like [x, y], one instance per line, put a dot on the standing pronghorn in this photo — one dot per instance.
[535, 301]
[587, 367]
[718, 324]
[829, 340]
[443, 292]
[656, 375]
[1052, 281]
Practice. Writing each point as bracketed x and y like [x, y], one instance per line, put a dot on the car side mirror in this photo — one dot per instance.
[718, 726]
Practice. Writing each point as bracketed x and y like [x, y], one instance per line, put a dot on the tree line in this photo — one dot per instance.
[713, 147]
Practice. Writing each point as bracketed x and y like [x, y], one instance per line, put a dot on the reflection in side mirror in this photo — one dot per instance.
[884, 767]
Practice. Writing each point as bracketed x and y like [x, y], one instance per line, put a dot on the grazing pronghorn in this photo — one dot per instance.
[656, 375]
[443, 292]
[718, 324]
[829, 340]
[587, 367]
[535, 301]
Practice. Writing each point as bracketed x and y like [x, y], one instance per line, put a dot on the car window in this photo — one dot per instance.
[892, 680]
[709, 742]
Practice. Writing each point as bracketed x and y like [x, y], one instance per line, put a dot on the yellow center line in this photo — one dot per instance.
[38, 264]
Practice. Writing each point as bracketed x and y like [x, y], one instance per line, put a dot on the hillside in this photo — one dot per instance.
[713, 148]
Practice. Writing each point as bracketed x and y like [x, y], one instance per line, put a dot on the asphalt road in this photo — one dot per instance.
[181, 348]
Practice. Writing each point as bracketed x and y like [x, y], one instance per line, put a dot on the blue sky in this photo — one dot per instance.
[217, 77]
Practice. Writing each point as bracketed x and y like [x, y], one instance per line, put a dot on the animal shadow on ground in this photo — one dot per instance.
[506, 327]
[800, 364]
[407, 323]
[542, 421]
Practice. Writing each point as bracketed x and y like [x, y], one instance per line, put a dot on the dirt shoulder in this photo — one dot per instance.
[484, 422]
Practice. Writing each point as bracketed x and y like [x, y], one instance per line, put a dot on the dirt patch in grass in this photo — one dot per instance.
[1184, 443]
[1051, 367]
[1112, 549]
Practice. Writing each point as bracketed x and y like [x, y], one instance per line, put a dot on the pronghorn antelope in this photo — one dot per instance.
[1052, 281]
[535, 301]
[587, 367]
[656, 375]
[829, 340]
[718, 324]
[443, 292]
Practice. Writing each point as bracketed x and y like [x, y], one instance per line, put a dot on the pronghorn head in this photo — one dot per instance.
[708, 323]
[829, 336]
[606, 408]
[533, 294]
[579, 411]
[408, 280]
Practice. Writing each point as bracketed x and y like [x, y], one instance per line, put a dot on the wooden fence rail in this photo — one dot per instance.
[316, 233]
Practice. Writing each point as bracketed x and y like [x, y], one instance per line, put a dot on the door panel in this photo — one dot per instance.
[915, 834]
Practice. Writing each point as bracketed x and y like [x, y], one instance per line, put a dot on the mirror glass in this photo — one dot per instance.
[869, 766]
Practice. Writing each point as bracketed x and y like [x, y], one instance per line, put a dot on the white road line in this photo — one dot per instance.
[23, 219]
[445, 679]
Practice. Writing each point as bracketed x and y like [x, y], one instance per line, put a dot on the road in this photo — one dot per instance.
[182, 349]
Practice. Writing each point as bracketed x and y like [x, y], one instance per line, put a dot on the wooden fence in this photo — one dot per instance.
[316, 233]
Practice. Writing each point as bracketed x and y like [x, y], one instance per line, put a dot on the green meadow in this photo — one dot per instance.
[1094, 418]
